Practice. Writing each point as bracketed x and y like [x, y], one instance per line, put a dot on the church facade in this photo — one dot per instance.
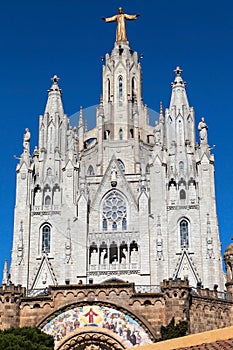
[124, 201]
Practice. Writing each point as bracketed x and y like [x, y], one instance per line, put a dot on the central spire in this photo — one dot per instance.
[120, 18]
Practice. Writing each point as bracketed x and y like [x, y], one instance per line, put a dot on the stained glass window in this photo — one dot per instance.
[114, 212]
[46, 239]
[184, 234]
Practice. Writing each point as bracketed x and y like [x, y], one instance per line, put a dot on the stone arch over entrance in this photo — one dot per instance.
[91, 338]
[119, 324]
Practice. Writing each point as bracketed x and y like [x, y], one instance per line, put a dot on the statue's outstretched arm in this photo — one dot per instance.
[131, 16]
[110, 19]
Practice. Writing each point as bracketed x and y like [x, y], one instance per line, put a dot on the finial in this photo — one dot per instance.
[55, 79]
[178, 71]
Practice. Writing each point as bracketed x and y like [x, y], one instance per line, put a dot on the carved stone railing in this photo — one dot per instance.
[117, 236]
[46, 209]
[176, 207]
[37, 292]
[148, 289]
[213, 294]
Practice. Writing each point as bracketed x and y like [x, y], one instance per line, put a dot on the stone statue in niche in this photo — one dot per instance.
[124, 259]
[134, 256]
[103, 257]
[94, 257]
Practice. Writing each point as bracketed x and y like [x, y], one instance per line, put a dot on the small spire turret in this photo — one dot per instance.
[179, 97]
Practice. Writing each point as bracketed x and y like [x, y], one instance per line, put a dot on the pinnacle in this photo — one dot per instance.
[55, 79]
[178, 71]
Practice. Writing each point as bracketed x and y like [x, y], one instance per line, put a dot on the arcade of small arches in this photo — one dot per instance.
[114, 255]
[181, 191]
[49, 196]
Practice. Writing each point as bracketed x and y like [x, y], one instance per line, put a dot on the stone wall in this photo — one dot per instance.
[203, 309]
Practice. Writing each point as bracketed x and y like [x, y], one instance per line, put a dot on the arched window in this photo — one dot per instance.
[47, 200]
[121, 164]
[114, 211]
[181, 167]
[46, 232]
[120, 134]
[90, 170]
[124, 224]
[120, 91]
[133, 89]
[49, 171]
[108, 89]
[182, 195]
[105, 225]
[184, 234]
[131, 134]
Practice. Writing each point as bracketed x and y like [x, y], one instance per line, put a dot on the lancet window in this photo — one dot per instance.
[184, 233]
[120, 134]
[109, 90]
[120, 92]
[46, 235]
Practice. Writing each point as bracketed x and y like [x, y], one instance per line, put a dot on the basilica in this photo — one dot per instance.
[103, 216]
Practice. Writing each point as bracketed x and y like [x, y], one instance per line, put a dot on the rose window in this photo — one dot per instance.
[114, 212]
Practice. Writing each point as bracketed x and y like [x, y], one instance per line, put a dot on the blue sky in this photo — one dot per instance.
[41, 38]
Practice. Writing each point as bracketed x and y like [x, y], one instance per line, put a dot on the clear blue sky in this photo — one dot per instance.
[67, 37]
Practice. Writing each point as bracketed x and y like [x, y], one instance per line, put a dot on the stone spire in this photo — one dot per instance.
[54, 103]
[179, 96]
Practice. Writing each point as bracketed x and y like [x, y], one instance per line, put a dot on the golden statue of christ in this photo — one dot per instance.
[120, 18]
